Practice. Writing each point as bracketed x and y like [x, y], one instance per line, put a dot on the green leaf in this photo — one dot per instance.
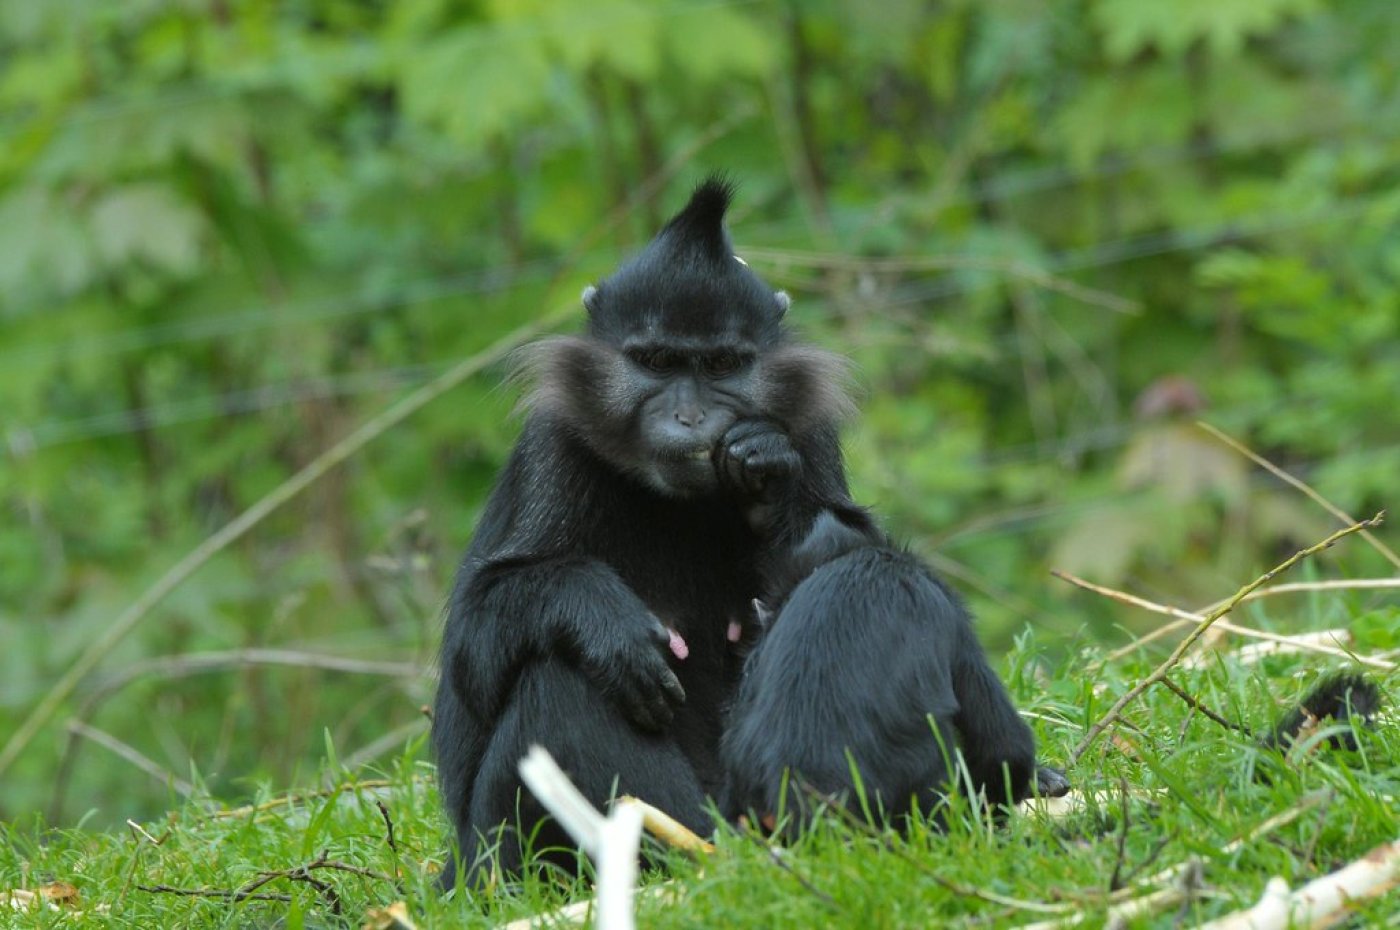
[720, 43]
[147, 222]
[478, 82]
[1131, 27]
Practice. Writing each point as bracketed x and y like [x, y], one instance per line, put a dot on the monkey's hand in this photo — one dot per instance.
[1050, 782]
[626, 659]
[757, 459]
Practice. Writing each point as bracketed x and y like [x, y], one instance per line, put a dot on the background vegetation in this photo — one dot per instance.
[1051, 235]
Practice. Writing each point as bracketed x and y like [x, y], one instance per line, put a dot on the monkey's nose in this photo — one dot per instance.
[690, 417]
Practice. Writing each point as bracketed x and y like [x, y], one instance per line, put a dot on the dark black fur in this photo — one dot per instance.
[1339, 698]
[866, 684]
[608, 524]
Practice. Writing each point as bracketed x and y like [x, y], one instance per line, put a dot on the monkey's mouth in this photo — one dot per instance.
[685, 455]
[682, 472]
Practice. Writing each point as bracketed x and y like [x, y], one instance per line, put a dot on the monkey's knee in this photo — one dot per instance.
[556, 707]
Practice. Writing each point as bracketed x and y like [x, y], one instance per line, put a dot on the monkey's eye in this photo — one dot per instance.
[658, 361]
[721, 364]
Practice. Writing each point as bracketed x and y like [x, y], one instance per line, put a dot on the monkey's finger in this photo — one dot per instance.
[634, 707]
[1050, 782]
[671, 687]
[661, 712]
[659, 633]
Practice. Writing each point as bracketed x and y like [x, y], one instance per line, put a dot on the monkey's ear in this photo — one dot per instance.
[590, 298]
[783, 301]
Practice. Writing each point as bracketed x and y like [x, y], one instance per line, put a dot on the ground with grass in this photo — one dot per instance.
[1169, 801]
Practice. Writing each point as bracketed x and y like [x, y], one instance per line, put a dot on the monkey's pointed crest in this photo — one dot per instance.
[701, 222]
[688, 281]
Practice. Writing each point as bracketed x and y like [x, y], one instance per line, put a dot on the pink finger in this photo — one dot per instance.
[678, 647]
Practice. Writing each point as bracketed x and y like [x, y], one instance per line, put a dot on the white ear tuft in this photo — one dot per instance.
[741, 261]
[784, 301]
[589, 293]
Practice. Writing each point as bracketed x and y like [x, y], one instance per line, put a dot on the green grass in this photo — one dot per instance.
[1190, 788]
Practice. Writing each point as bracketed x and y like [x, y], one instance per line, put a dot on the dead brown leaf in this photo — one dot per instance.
[393, 917]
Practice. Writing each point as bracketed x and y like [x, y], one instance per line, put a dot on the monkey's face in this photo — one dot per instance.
[686, 398]
[683, 339]
[653, 409]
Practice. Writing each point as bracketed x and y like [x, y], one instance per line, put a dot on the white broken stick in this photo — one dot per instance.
[1321, 902]
[611, 842]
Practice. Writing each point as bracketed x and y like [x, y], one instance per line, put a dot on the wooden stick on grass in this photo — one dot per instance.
[1184, 618]
[1321, 902]
[1160, 672]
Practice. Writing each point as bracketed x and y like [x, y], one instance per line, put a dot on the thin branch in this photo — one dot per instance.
[1338, 638]
[1298, 483]
[1191, 700]
[1010, 267]
[1185, 618]
[300, 873]
[133, 755]
[388, 829]
[1128, 908]
[1114, 880]
[382, 744]
[855, 822]
[1281, 819]
[229, 894]
[235, 529]
[372, 784]
[1321, 902]
[1116, 711]
[197, 663]
[1337, 584]
[776, 856]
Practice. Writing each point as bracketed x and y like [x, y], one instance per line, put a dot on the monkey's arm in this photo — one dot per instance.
[506, 612]
[795, 496]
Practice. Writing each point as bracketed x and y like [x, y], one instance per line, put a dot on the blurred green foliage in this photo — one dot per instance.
[1051, 235]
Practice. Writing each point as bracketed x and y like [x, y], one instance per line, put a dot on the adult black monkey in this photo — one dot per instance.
[868, 676]
[593, 609]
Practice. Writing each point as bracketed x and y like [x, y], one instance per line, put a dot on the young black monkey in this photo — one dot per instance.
[593, 609]
[868, 676]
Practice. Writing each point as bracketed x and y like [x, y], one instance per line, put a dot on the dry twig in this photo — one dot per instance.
[666, 828]
[1127, 909]
[235, 529]
[1011, 267]
[133, 755]
[1113, 880]
[856, 823]
[1338, 638]
[1298, 483]
[1192, 701]
[1333, 584]
[371, 784]
[1166, 666]
[300, 873]
[1185, 618]
[1321, 902]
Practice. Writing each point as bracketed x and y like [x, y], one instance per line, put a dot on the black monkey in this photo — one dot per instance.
[868, 676]
[1341, 698]
[594, 610]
